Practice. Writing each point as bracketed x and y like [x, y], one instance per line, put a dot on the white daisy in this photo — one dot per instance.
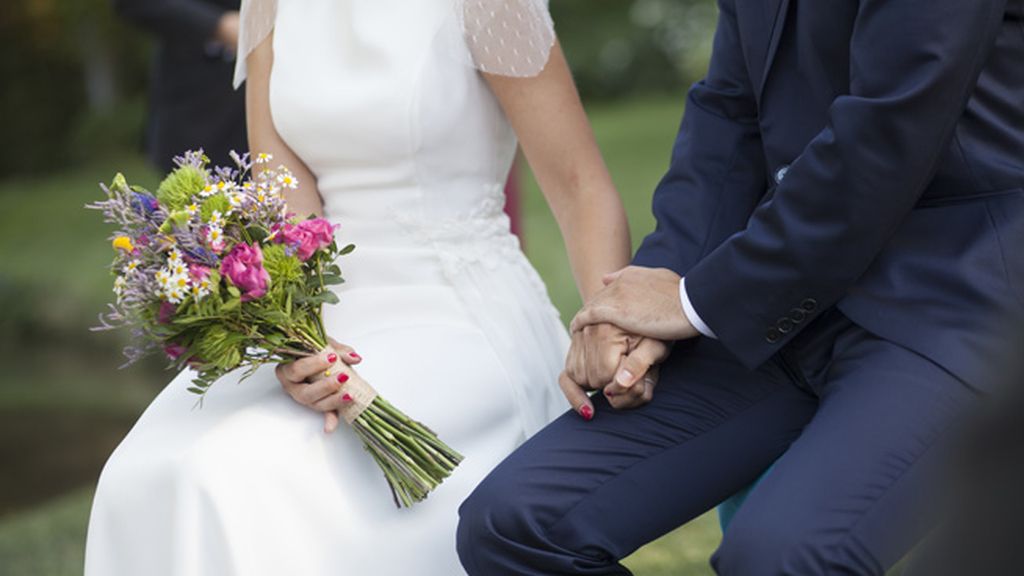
[214, 234]
[287, 180]
[235, 199]
[163, 278]
[208, 191]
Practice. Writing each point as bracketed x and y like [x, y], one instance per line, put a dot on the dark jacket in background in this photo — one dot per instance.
[192, 103]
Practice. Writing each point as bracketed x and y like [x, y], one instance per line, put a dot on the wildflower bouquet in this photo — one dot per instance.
[212, 270]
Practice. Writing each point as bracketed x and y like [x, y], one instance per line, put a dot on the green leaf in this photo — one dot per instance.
[257, 233]
[188, 320]
[235, 292]
[331, 279]
[347, 249]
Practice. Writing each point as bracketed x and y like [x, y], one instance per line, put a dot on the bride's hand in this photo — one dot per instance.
[317, 381]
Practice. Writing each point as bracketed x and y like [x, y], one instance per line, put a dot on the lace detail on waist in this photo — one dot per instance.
[478, 236]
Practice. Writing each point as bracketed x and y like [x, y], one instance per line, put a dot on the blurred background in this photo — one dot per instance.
[75, 108]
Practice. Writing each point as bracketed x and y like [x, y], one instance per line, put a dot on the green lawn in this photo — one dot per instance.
[51, 285]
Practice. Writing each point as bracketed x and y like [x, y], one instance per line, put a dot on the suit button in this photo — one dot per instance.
[797, 315]
[772, 336]
[785, 325]
[781, 173]
[809, 305]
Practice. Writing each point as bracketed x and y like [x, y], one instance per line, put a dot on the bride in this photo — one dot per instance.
[400, 120]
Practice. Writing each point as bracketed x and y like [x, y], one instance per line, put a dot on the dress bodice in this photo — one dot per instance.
[406, 141]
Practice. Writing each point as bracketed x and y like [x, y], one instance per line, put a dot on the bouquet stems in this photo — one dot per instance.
[414, 460]
[411, 456]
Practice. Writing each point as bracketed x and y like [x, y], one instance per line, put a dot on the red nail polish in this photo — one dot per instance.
[609, 393]
[587, 412]
[342, 378]
[354, 355]
[332, 358]
[346, 398]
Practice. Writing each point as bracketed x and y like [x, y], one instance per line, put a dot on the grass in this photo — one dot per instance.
[47, 238]
[48, 243]
[636, 140]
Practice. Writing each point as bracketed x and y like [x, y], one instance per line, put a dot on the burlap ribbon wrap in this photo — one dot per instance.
[362, 396]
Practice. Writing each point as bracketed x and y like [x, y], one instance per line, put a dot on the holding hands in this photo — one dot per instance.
[642, 301]
[621, 335]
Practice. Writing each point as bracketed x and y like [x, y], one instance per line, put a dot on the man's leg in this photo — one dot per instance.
[851, 495]
[580, 496]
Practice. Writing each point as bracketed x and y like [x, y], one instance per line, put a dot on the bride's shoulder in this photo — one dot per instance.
[256, 22]
[507, 37]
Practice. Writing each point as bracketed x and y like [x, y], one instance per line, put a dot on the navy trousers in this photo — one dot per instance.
[857, 426]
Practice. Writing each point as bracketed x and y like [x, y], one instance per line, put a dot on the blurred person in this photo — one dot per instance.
[980, 531]
[835, 259]
[400, 121]
[192, 103]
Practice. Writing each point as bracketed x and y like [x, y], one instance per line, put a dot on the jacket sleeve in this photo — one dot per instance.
[194, 19]
[913, 66]
[717, 171]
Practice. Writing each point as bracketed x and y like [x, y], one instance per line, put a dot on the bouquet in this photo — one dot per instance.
[212, 270]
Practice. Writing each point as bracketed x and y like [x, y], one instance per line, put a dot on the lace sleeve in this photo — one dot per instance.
[256, 23]
[506, 37]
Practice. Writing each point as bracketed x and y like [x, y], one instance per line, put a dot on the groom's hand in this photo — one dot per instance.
[642, 301]
[637, 375]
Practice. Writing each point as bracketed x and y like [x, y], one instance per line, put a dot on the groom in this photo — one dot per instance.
[837, 244]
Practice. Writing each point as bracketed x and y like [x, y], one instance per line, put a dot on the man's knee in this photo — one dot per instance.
[778, 548]
[493, 522]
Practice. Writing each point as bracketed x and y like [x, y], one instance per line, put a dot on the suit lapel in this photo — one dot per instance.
[776, 11]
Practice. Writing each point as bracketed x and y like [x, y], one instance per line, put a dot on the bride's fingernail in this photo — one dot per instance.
[624, 377]
[332, 357]
[342, 378]
[346, 398]
[587, 412]
[355, 356]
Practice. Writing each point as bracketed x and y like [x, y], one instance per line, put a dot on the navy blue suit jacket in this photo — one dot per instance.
[867, 154]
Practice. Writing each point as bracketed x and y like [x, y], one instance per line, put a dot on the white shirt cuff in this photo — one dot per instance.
[691, 314]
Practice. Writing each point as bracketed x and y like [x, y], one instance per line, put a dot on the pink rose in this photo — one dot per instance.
[299, 240]
[243, 266]
[322, 231]
[166, 312]
[306, 237]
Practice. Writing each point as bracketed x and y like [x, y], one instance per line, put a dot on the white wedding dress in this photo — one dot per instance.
[410, 150]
